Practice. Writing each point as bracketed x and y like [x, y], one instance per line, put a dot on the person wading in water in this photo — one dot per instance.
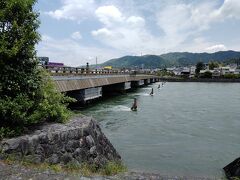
[151, 93]
[134, 106]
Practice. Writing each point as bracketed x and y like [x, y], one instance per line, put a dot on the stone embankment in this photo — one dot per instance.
[79, 141]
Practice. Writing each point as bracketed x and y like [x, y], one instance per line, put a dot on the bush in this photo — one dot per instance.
[231, 76]
[6, 132]
[22, 111]
[54, 104]
[112, 168]
[207, 74]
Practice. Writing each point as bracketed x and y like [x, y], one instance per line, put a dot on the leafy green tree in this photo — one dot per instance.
[207, 74]
[18, 25]
[199, 67]
[27, 95]
[213, 65]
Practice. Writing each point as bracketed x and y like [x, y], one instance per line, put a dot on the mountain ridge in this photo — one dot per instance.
[172, 59]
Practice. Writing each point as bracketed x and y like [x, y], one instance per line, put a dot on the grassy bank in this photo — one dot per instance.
[84, 169]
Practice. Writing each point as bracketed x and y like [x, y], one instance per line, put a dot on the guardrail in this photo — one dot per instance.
[63, 71]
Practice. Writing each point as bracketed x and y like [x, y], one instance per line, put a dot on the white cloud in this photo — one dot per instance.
[73, 10]
[149, 28]
[106, 33]
[76, 35]
[102, 32]
[180, 21]
[229, 9]
[217, 47]
[109, 15]
[71, 52]
[125, 33]
[136, 21]
[181, 24]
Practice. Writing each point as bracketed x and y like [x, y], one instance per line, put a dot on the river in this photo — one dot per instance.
[185, 129]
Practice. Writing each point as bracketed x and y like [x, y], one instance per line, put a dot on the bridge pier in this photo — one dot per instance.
[139, 83]
[85, 95]
[146, 81]
[127, 85]
[152, 80]
[116, 88]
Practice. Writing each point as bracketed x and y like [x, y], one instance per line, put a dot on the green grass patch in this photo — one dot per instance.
[113, 168]
[235, 178]
[84, 169]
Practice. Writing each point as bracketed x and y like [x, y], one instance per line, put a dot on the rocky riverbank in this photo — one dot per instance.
[79, 141]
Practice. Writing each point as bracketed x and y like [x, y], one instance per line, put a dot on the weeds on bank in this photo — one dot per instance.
[111, 168]
[236, 178]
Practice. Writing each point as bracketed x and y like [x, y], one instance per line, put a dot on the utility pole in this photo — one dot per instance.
[87, 68]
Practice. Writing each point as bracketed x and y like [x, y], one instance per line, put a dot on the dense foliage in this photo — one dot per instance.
[27, 95]
[207, 74]
[231, 76]
[165, 73]
[199, 67]
[213, 65]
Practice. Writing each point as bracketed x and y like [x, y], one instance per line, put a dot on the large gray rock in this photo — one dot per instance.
[80, 140]
[232, 170]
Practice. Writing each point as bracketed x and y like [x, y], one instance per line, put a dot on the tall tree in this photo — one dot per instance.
[27, 95]
[199, 67]
[18, 36]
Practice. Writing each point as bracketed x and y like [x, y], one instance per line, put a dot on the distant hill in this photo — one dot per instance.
[172, 59]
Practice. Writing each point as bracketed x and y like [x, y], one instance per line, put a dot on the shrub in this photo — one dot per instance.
[112, 168]
[207, 74]
[22, 111]
[231, 76]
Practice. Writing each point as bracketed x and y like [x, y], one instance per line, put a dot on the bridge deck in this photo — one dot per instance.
[71, 83]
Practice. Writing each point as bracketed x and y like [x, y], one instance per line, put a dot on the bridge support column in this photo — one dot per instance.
[127, 85]
[146, 81]
[116, 88]
[153, 80]
[137, 83]
[86, 95]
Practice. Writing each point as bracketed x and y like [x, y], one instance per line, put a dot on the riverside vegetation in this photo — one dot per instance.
[27, 94]
[85, 169]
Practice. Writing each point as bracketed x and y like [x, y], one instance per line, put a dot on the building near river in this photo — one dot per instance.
[221, 71]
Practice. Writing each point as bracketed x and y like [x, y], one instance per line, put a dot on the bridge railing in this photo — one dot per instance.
[65, 71]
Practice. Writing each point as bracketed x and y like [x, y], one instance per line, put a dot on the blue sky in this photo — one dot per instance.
[77, 31]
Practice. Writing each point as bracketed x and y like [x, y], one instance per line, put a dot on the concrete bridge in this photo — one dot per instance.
[89, 87]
